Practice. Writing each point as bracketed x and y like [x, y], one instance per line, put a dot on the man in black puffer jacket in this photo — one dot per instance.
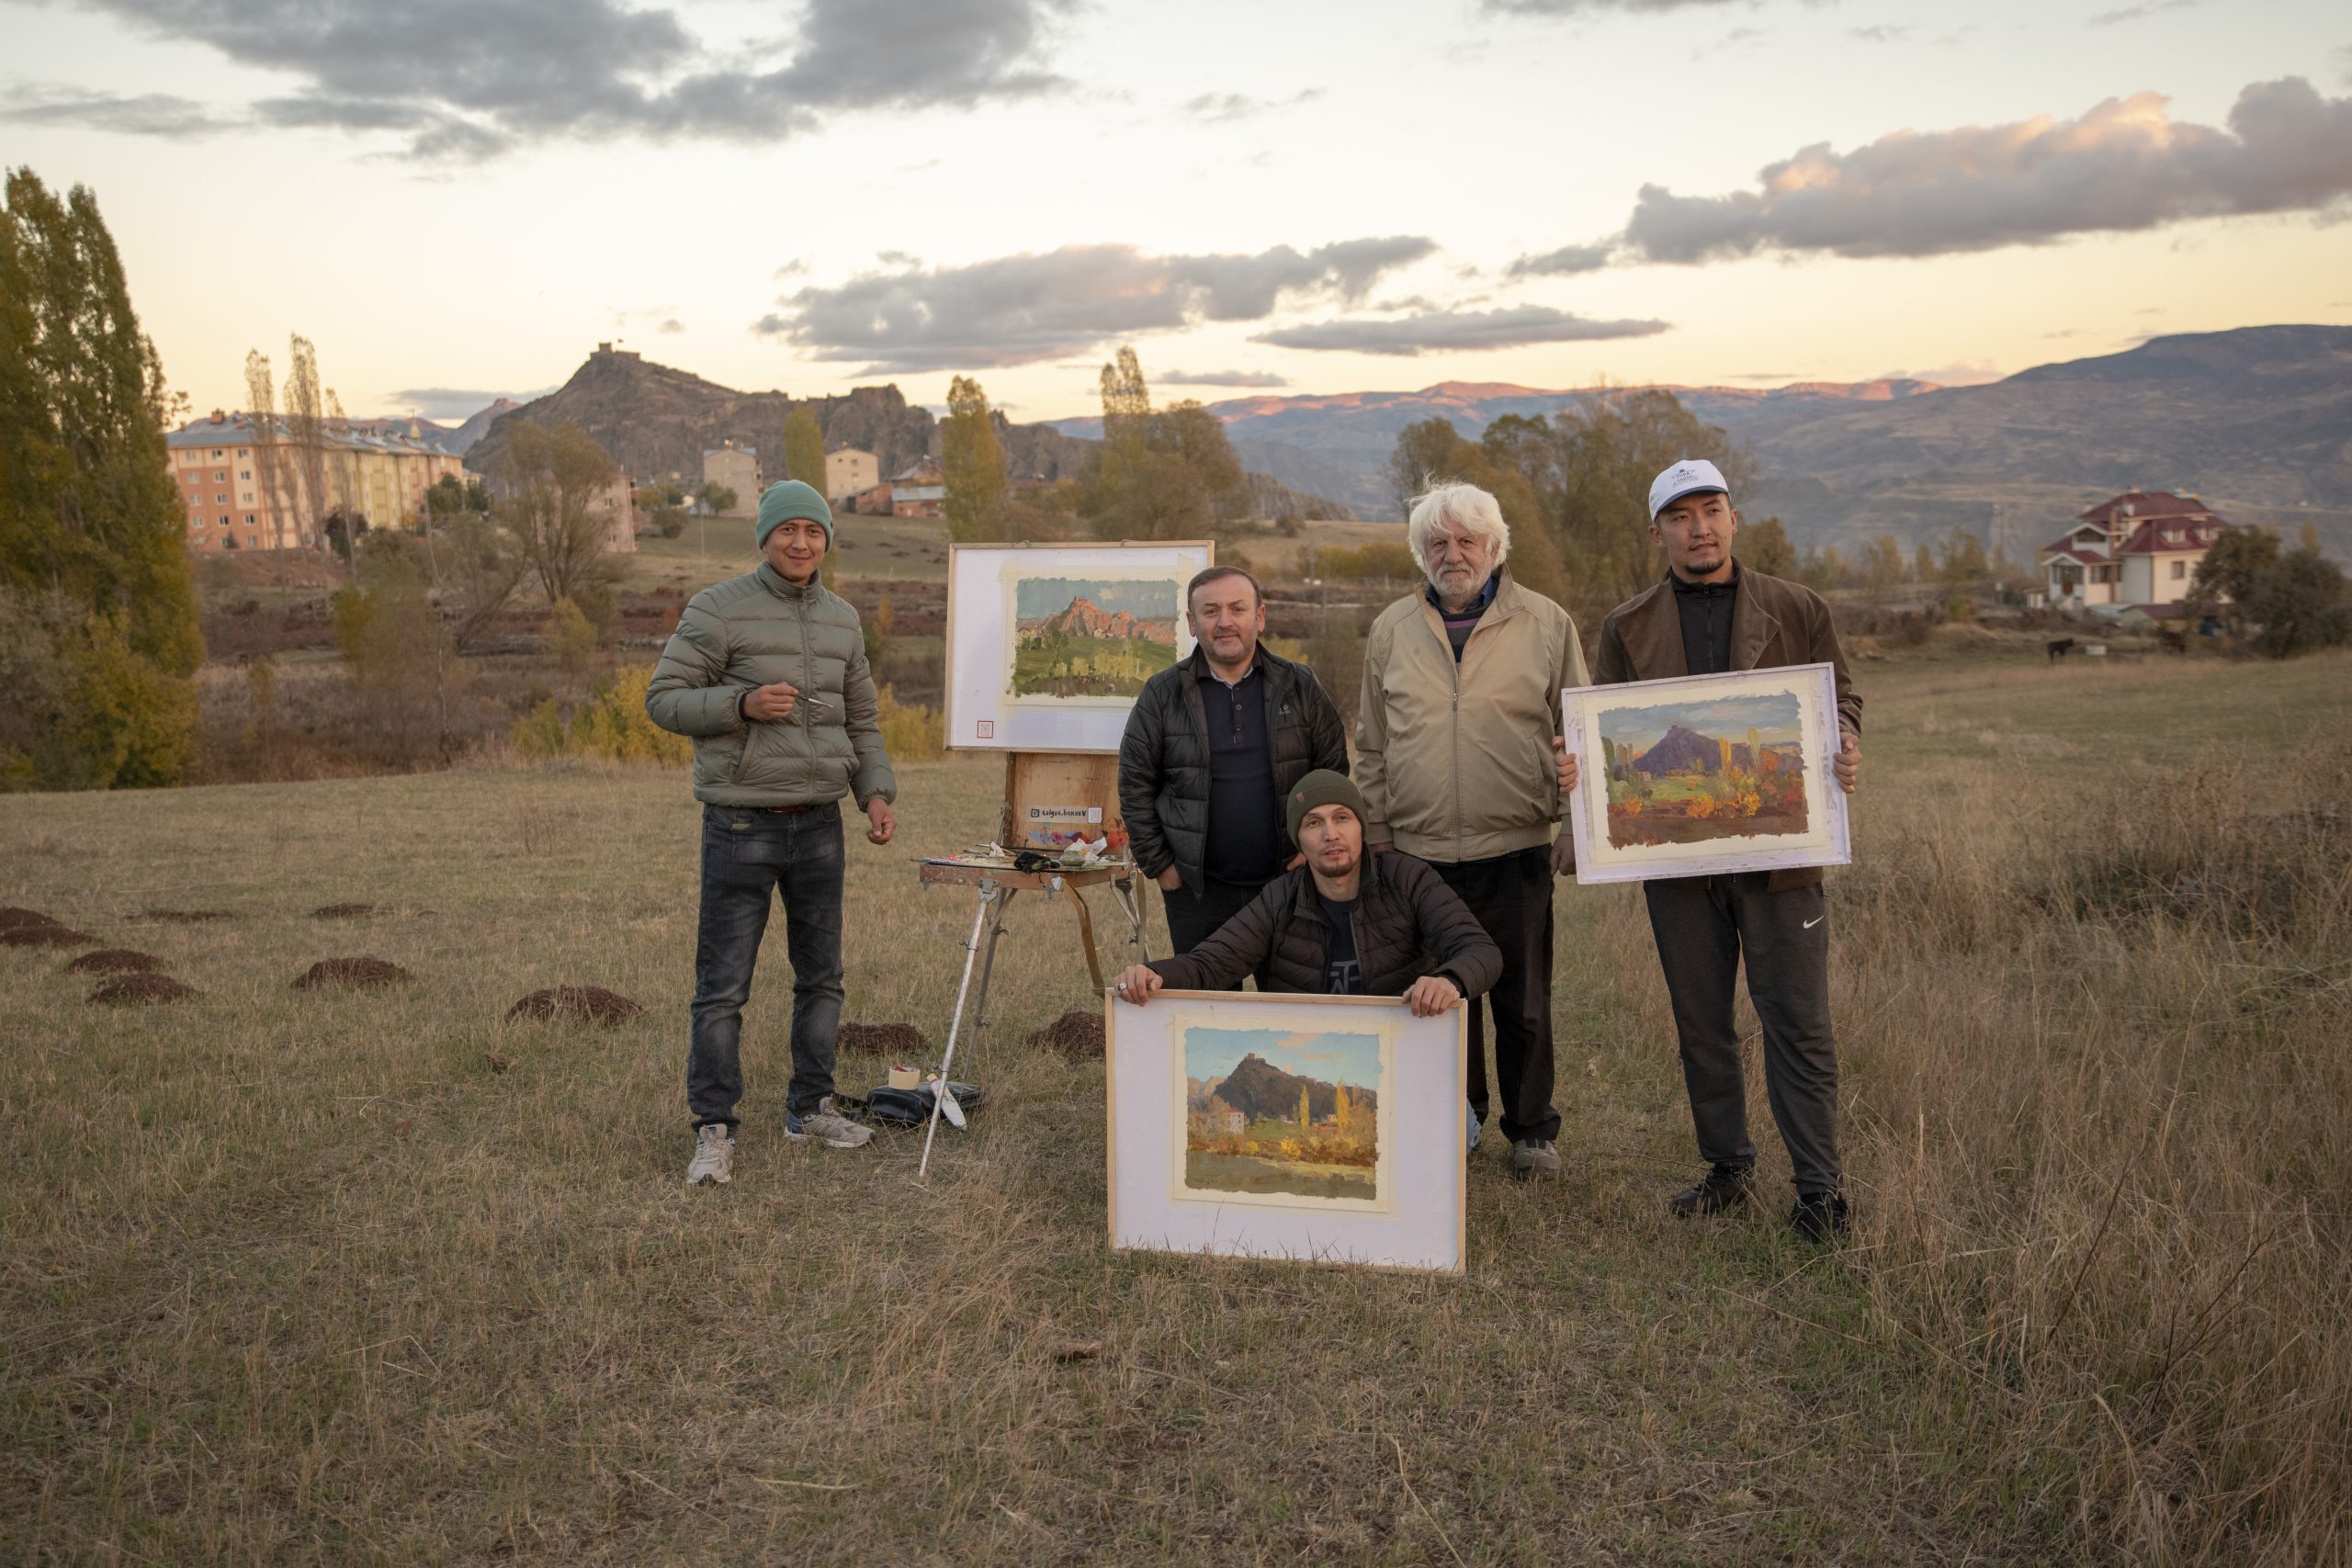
[1343, 924]
[1216, 742]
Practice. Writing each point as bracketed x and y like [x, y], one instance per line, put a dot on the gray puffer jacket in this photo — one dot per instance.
[754, 631]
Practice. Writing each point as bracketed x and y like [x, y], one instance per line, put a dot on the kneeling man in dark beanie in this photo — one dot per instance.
[1343, 924]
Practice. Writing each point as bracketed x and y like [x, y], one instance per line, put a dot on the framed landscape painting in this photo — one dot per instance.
[1705, 774]
[1048, 645]
[1270, 1125]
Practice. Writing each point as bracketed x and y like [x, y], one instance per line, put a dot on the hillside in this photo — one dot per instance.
[657, 422]
[2259, 421]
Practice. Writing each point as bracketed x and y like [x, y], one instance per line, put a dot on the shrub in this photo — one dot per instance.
[84, 710]
[910, 733]
[611, 725]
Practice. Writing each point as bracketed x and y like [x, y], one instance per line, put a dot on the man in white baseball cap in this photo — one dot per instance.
[1711, 616]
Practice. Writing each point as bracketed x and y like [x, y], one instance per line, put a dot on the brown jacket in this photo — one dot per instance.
[1774, 623]
[1455, 758]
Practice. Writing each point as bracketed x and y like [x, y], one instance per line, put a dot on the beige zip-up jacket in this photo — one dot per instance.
[1455, 759]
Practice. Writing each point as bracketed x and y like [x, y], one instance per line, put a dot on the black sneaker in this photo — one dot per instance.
[1724, 1187]
[1818, 1216]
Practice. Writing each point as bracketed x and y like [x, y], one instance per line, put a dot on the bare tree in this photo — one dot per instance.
[550, 478]
[271, 479]
[308, 441]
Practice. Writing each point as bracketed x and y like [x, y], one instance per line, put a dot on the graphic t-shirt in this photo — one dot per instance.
[1343, 975]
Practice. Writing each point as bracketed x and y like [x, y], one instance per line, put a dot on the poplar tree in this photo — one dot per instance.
[804, 447]
[974, 460]
[93, 552]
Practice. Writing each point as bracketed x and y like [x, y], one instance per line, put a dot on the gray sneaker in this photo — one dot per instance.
[713, 1161]
[833, 1131]
[1534, 1156]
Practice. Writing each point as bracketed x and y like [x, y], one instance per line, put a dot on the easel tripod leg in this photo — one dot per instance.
[987, 967]
[971, 952]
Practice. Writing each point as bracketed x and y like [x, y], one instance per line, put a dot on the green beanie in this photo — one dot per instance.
[785, 500]
[1321, 787]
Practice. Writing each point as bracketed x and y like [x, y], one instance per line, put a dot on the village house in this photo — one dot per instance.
[2139, 550]
[736, 469]
[918, 491]
[848, 470]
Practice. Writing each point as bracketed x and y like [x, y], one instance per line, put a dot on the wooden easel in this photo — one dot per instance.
[1043, 790]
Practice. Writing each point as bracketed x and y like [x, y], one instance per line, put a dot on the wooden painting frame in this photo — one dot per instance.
[982, 640]
[1414, 1214]
[1706, 819]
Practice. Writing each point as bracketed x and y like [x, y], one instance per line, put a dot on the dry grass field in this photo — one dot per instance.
[321, 1276]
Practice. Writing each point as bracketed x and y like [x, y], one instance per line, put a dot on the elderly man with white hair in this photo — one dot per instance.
[1456, 742]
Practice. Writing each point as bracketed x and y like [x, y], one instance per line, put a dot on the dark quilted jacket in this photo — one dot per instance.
[754, 630]
[1164, 757]
[1409, 923]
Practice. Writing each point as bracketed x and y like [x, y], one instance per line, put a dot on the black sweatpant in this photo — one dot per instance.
[1511, 896]
[1193, 919]
[1703, 926]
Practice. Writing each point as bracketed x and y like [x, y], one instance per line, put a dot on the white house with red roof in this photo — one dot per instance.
[2139, 550]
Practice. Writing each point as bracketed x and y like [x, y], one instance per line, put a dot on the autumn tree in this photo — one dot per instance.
[93, 556]
[974, 460]
[804, 447]
[1765, 546]
[1167, 474]
[1611, 445]
[550, 478]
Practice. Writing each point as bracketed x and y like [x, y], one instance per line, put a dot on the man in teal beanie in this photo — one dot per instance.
[788, 501]
[767, 673]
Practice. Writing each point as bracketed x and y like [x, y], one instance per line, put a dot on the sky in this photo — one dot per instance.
[1353, 1059]
[459, 198]
[1774, 717]
[1034, 597]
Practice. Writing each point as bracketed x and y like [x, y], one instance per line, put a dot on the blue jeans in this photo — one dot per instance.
[748, 857]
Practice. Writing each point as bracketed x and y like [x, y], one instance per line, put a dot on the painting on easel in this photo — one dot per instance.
[1049, 645]
[1089, 640]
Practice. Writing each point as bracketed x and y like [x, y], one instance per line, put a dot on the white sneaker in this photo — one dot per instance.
[713, 1161]
[833, 1131]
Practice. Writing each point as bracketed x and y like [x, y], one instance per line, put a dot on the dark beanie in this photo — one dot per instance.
[1321, 787]
[785, 500]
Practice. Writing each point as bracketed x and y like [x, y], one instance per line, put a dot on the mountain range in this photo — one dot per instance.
[2257, 420]
[657, 420]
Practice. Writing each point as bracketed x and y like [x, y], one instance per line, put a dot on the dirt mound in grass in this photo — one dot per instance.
[115, 961]
[184, 916]
[360, 974]
[902, 1043]
[13, 918]
[589, 1004]
[1077, 1035]
[142, 990]
[45, 936]
[342, 911]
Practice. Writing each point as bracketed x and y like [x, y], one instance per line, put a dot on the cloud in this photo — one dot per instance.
[670, 324]
[1565, 262]
[1218, 378]
[465, 80]
[1589, 7]
[2126, 166]
[455, 402]
[2136, 12]
[1454, 332]
[142, 114]
[1960, 373]
[1219, 108]
[1021, 309]
[1881, 33]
